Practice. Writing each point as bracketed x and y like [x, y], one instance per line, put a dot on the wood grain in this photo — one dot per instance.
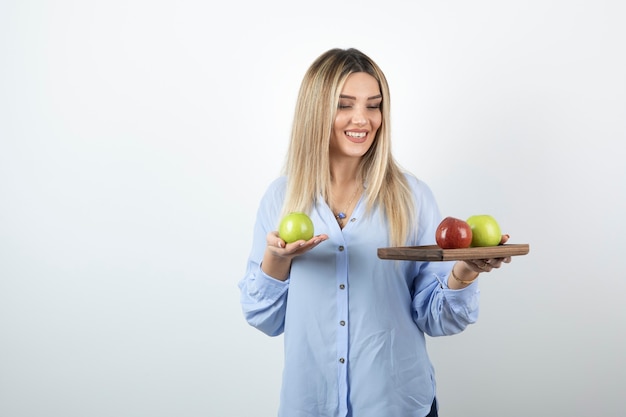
[434, 253]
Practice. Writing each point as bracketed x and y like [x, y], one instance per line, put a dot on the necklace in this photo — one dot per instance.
[341, 216]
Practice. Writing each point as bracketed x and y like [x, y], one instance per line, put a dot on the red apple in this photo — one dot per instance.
[453, 233]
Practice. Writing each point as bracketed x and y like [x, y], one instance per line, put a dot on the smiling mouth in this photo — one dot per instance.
[356, 135]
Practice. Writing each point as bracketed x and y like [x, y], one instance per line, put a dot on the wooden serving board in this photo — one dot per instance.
[435, 253]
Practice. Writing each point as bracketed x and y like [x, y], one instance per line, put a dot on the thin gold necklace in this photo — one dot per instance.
[341, 216]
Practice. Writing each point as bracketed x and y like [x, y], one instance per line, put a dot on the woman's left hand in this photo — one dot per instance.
[486, 265]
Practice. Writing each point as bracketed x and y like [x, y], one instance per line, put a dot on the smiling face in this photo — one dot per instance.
[358, 116]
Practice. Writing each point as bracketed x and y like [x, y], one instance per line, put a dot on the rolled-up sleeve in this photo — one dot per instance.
[263, 298]
[263, 301]
[440, 311]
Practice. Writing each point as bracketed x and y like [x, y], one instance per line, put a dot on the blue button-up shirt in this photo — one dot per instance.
[354, 325]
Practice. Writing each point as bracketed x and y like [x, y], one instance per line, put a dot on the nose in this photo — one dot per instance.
[358, 117]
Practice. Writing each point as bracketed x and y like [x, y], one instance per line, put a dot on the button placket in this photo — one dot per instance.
[342, 331]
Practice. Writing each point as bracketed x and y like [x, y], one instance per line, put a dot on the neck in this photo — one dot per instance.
[344, 174]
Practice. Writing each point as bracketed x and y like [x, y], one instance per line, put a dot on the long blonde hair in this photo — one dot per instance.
[307, 165]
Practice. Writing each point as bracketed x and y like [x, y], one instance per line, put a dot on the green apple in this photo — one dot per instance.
[485, 230]
[295, 226]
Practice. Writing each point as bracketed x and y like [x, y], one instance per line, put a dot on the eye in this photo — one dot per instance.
[343, 106]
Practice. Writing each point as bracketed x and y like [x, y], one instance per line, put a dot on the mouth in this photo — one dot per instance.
[356, 137]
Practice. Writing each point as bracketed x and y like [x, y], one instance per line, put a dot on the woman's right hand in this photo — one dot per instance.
[278, 254]
[280, 248]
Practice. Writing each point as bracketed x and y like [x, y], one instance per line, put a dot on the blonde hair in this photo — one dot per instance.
[307, 165]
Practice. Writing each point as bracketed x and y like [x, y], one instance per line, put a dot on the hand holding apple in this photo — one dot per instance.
[279, 255]
[478, 231]
[295, 235]
[294, 238]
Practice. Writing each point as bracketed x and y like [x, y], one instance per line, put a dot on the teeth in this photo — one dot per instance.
[356, 135]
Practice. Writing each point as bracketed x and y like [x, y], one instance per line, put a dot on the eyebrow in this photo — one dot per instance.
[354, 98]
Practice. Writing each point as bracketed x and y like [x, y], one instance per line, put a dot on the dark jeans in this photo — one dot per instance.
[433, 409]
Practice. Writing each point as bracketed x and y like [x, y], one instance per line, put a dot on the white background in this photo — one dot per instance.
[136, 138]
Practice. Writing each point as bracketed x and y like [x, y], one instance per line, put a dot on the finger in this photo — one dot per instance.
[315, 240]
[273, 240]
[473, 267]
[295, 244]
[276, 240]
[504, 239]
[301, 246]
[481, 265]
[496, 262]
[319, 239]
[477, 263]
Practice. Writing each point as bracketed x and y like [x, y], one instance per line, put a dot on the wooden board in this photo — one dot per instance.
[435, 253]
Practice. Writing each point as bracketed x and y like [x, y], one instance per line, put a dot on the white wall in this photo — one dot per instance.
[136, 138]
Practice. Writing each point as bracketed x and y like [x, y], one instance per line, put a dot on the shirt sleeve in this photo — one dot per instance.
[263, 299]
[440, 311]
[437, 309]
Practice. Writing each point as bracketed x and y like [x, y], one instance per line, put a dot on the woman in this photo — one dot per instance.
[354, 325]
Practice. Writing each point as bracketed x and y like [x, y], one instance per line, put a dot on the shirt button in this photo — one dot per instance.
[341, 248]
[342, 360]
[353, 219]
[342, 287]
[343, 323]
